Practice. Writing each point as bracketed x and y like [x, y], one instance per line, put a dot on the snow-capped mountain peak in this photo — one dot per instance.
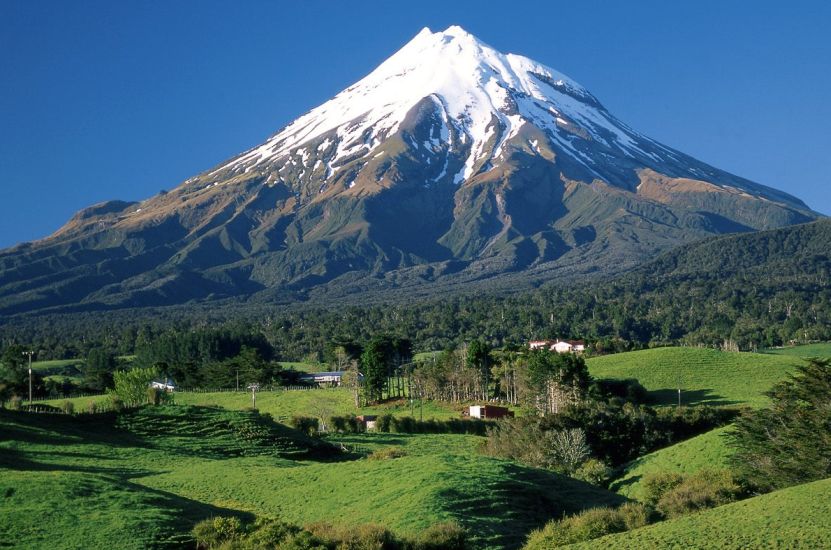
[479, 91]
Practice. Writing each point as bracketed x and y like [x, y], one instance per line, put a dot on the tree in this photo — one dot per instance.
[374, 365]
[789, 442]
[555, 380]
[479, 359]
[13, 372]
[131, 386]
[98, 372]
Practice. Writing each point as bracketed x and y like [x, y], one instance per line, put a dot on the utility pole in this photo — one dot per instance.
[30, 354]
[254, 388]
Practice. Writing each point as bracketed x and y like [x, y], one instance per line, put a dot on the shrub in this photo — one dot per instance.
[305, 424]
[656, 484]
[361, 537]
[589, 524]
[92, 407]
[268, 533]
[635, 515]
[442, 536]
[68, 407]
[595, 472]
[699, 491]
[215, 531]
[15, 403]
[383, 423]
[387, 453]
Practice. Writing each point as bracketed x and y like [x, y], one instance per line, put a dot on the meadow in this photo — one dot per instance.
[796, 517]
[708, 450]
[822, 349]
[70, 478]
[705, 376]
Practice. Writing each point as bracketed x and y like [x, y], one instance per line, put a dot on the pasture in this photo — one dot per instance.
[708, 450]
[705, 376]
[146, 476]
[796, 517]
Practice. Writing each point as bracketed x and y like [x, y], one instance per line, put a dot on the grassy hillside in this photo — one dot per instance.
[796, 517]
[808, 350]
[706, 376]
[708, 450]
[146, 476]
[284, 404]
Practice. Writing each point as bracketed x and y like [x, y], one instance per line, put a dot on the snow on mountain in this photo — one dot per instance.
[479, 91]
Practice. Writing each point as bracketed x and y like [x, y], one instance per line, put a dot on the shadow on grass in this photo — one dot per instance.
[669, 396]
[502, 513]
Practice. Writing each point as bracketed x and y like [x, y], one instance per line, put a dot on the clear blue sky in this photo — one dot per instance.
[116, 100]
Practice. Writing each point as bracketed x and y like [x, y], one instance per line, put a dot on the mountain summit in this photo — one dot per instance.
[448, 164]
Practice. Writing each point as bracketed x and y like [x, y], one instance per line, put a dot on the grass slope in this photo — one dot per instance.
[808, 350]
[283, 404]
[151, 473]
[796, 517]
[708, 450]
[706, 376]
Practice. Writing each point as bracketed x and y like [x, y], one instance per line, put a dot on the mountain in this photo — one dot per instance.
[451, 163]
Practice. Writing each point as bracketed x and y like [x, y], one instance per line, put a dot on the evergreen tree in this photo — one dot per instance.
[789, 442]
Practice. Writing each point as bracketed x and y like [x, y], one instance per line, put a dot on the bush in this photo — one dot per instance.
[387, 453]
[589, 524]
[657, 484]
[215, 531]
[68, 407]
[635, 515]
[383, 423]
[442, 536]
[15, 403]
[699, 491]
[305, 424]
[92, 407]
[361, 537]
[595, 472]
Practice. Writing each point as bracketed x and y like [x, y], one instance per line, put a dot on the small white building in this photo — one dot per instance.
[166, 385]
[330, 378]
[560, 346]
[569, 346]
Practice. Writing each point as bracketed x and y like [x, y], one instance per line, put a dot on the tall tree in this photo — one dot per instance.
[790, 441]
[374, 365]
[98, 372]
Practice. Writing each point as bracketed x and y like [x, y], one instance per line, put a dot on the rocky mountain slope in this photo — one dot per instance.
[450, 162]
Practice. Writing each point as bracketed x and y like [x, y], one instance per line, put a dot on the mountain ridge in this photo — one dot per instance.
[449, 160]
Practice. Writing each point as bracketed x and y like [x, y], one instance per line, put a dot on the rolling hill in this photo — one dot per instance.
[705, 376]
[795, 517]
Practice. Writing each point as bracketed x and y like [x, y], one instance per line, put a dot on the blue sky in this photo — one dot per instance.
[118, 100]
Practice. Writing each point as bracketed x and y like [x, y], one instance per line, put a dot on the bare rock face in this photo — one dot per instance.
[450, 162]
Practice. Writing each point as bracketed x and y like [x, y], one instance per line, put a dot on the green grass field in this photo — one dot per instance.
[706, 376]
[808, 350]
[283, 404]
[145, 477]
[796, 517]
[708, 450]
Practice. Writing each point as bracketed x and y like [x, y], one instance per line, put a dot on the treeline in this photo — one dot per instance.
[753, 290]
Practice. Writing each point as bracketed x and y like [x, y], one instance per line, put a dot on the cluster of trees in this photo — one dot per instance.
[759, 290]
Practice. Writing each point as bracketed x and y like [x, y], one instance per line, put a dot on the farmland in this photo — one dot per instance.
[705, 376]
[708, 450]
[796, 517]
[170, 466]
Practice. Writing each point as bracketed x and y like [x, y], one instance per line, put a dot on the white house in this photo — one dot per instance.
[331, 378]
[165, 385]
[569, 346]
[560, 346]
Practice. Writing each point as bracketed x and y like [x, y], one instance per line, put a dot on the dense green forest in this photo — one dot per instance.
[744, 291]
